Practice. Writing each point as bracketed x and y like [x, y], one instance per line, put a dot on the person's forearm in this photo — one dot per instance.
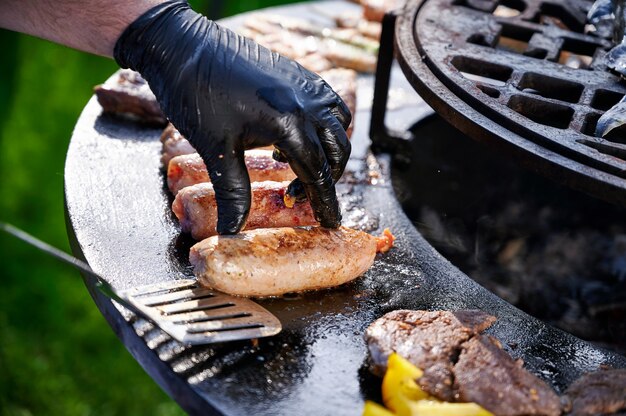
[88, 25]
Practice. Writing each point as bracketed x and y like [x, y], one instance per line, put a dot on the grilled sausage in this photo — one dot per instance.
[196, 209]
[187, 170]
[174, 144]
[271, 262]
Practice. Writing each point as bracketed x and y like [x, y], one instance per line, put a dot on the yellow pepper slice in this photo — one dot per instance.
[436, 408]
[399, 386]
[374, 409]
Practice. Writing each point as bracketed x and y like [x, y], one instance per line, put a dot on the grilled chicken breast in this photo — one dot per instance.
[271, 262]
[187, 170]
[196, 209]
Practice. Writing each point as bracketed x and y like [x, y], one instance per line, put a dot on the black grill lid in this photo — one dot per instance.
[502, 72]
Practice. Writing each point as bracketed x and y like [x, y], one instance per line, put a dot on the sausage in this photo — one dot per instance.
[274, 261]
[187, 170]
[196, 209]
[174, 144]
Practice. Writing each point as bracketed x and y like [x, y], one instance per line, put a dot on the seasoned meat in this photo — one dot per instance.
[487, 375]
[174, 144]
[274, 261]
[598, 393]
[187, 170]
[196, 209]
[459, 363]
[343, 82]
[430, 340]
[129, 95]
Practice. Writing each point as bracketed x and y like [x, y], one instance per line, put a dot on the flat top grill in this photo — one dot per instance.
[522, 76]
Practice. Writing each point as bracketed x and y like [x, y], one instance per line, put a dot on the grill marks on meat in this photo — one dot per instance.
[601, 392]
[274, 261]
[196, 209]
[129, 95]
[459, 363]
[187, 170]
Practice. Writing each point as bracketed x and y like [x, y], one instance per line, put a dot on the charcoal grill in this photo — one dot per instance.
[120, 222]
[519, 75]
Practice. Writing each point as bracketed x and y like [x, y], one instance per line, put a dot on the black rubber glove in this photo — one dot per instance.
[226, 93]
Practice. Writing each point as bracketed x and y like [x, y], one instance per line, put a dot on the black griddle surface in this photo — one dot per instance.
[119, 220]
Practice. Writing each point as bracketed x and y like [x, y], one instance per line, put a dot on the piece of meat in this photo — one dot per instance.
[374, 10]
[343, 82]
[427, 339]
[174, 144]
[274, 261]
[487, 375]
[315, 62]
[355, 20]
[297, 38]
[196, 209]
[348, 56]
[598, 393]
[459, 363]
[187, 170]
[128, 95]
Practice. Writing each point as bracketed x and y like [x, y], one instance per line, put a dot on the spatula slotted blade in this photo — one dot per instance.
[195, 315]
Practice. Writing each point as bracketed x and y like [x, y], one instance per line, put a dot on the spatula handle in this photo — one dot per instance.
[101, 284]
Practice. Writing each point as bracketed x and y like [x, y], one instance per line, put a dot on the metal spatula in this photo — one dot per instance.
[189, 313]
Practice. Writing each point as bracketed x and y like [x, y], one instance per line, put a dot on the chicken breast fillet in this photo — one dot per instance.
[271, 262]
[196, 209]
[187, 170]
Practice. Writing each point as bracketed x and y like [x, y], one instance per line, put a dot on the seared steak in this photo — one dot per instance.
[129, 95]
[487, 375]
[459, 363]
[599, 393]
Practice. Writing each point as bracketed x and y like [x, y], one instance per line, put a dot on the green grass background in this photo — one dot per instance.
[58, 356]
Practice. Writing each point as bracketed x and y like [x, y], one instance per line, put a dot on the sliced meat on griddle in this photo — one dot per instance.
[430, 340]
[486, 374]
[598, 393]
[459, 363]
[127, 94]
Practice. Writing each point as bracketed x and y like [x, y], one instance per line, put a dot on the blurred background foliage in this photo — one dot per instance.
[58, 356]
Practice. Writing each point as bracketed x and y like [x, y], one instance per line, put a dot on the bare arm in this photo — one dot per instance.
[88, 25]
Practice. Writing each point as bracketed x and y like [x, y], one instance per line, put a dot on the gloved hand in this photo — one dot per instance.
[226, 93]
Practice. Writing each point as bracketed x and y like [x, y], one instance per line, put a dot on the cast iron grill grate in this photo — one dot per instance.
[520, 73]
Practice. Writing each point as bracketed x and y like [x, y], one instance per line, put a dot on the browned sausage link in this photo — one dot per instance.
[187, 170]
[196, 209]
[174, 144]
[270, 262]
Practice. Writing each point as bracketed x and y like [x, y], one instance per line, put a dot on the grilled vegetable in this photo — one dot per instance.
[403, 395]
